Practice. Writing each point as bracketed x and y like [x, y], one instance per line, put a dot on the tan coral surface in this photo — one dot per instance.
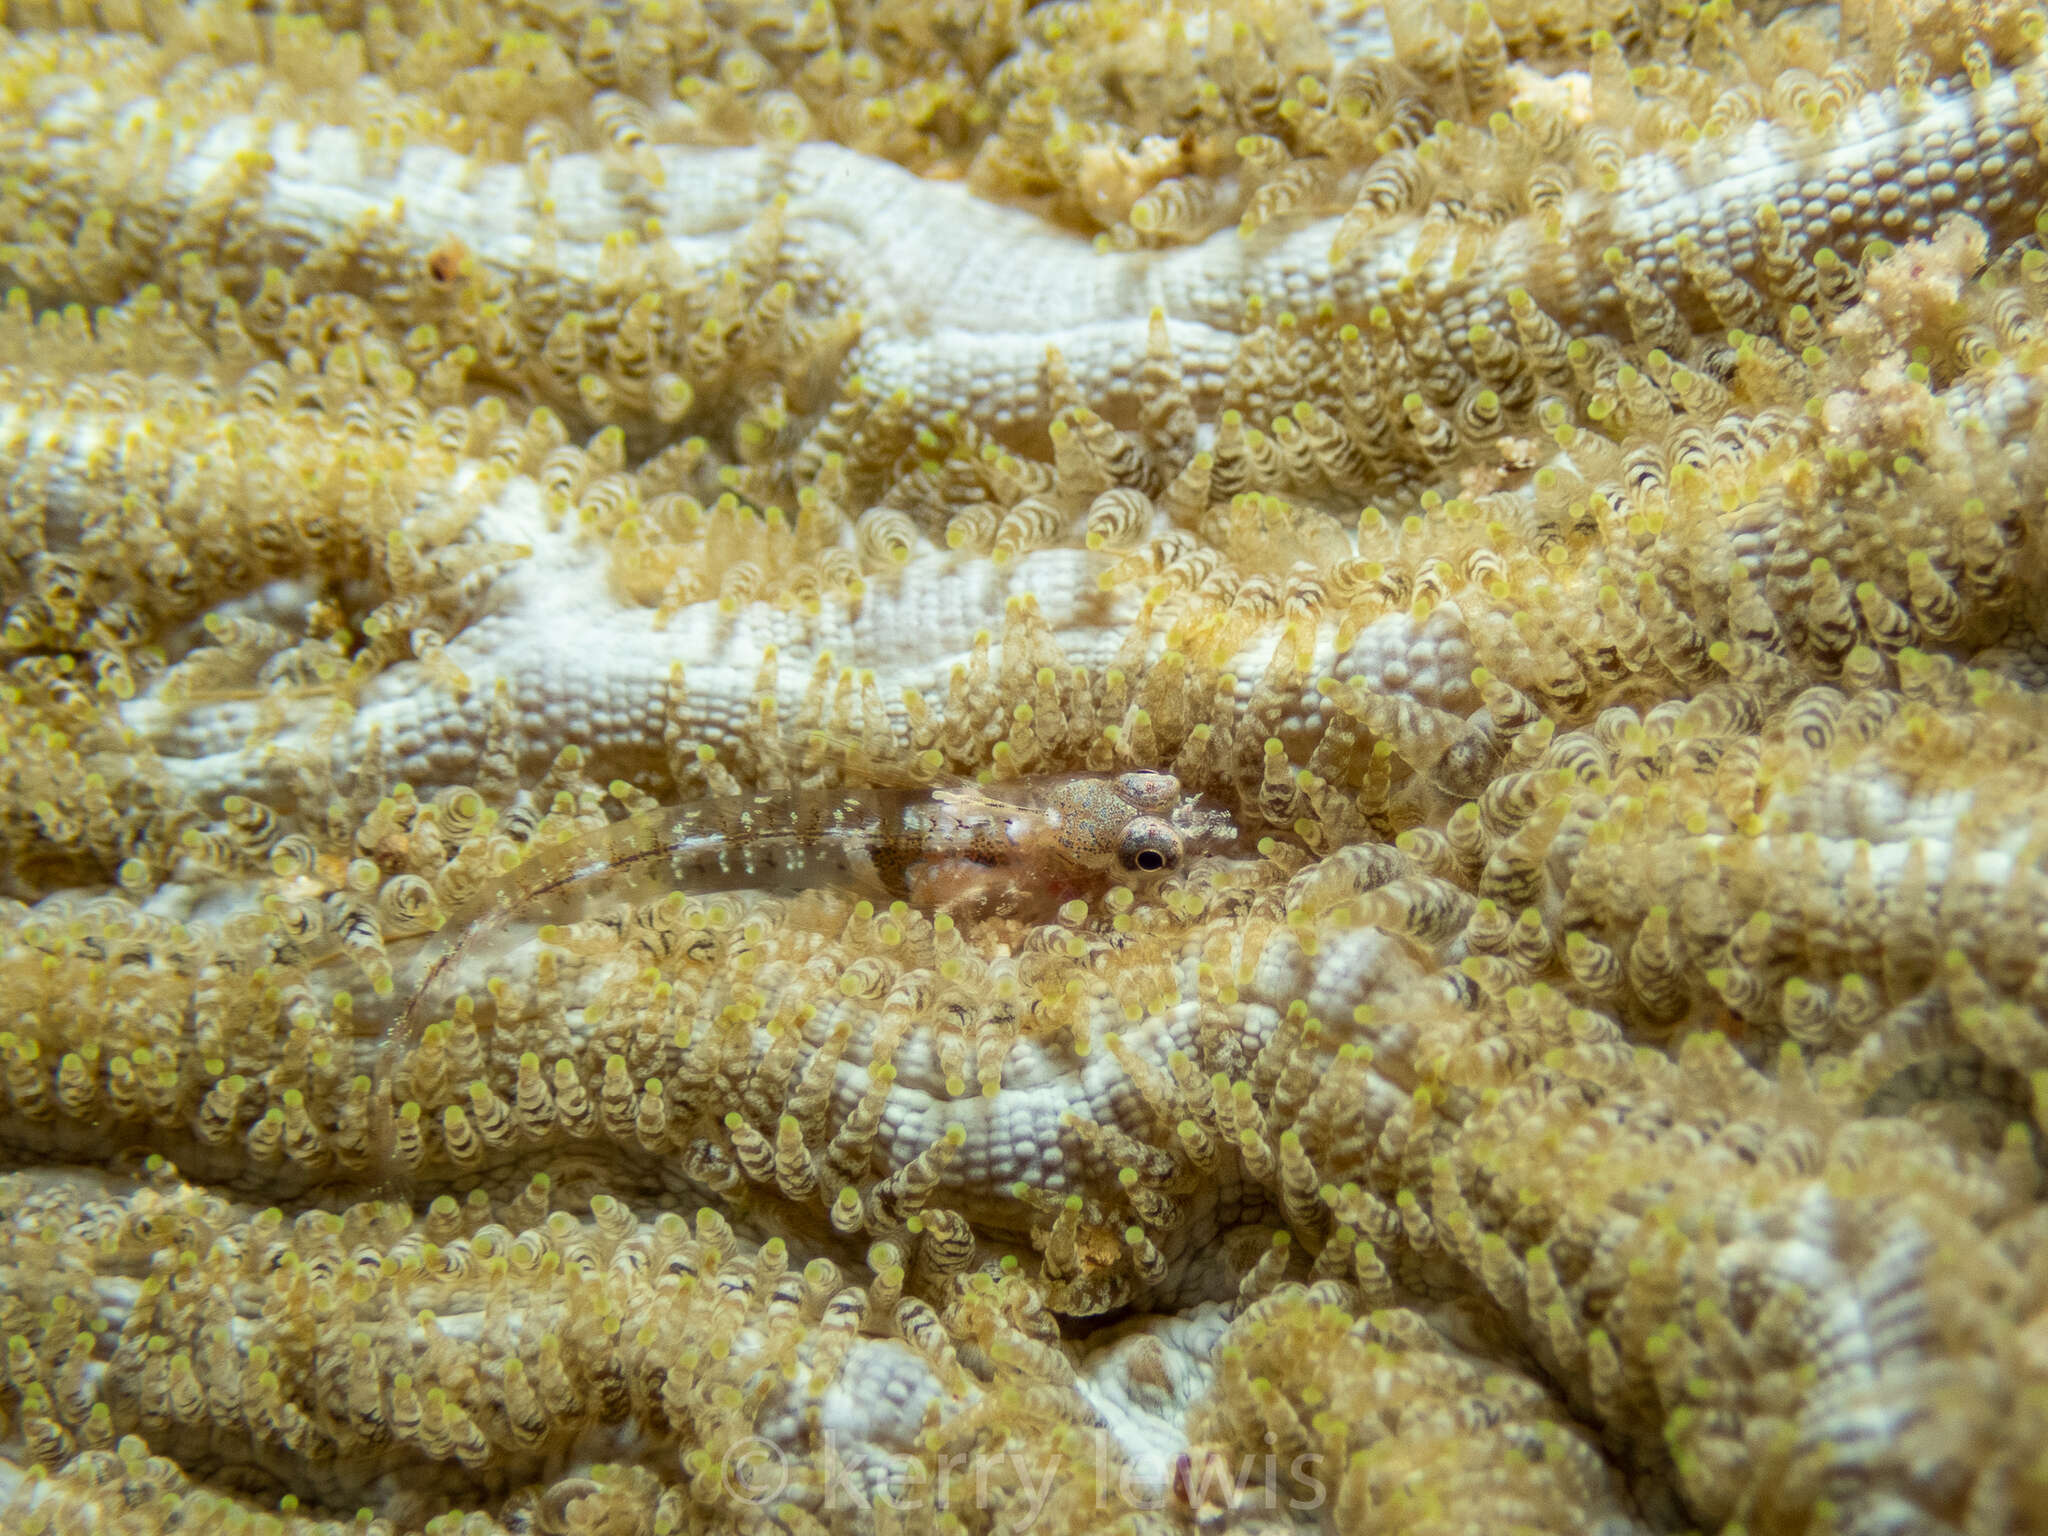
[1568, 475]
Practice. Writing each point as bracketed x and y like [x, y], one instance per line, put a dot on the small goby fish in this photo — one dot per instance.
[1020, 849]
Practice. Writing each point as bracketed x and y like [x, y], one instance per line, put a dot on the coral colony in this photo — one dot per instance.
[1558, 485]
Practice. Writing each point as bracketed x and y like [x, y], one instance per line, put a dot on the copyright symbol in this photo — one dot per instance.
[752, 1471]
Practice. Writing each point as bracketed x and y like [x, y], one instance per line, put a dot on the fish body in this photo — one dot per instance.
[1021, 849]
[882, 842]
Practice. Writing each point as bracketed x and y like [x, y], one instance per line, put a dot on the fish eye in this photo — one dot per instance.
[1149, 791]
[1148, 846]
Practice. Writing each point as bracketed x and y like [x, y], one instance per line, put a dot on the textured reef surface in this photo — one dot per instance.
[1569, 477]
